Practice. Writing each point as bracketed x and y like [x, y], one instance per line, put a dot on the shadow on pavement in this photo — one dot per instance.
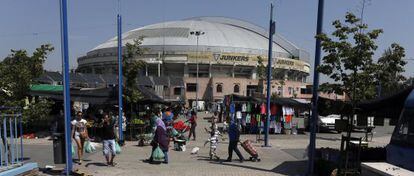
[295, 168]
[328, 139]
[96, 164]
[291, 168]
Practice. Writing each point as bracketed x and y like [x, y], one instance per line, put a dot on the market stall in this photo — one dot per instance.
[250, 113]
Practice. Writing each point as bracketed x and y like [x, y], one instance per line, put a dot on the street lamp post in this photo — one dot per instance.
[197, 34]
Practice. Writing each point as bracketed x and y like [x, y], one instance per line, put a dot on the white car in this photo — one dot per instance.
[327, 122]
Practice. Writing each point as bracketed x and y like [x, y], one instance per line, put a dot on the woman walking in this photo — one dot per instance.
[193, 122]
[160, 140]
[79, 133]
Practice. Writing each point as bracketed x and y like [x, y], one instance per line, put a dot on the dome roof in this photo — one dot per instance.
[218, 32]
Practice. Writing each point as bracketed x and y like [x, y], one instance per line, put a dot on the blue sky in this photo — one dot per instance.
[26, 24]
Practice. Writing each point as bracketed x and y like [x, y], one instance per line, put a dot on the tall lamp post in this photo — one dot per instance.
[272, 28]
[120, 105]
[66, 80]
[314, 115]
[197, 34]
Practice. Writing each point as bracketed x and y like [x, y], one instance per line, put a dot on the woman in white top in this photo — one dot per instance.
[79, 133]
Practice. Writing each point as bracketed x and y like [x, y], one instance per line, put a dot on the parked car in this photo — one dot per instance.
[325, 123]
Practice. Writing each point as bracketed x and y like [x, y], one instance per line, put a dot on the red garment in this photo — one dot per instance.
[253, 120]
[288, 118]
[193, 120]
[262, 109]
[273, 109]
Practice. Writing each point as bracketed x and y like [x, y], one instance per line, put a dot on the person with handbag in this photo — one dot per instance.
[79, 133]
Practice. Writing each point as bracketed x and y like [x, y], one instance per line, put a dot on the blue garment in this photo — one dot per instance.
[232, 108]
[234, 132]
[167, 118]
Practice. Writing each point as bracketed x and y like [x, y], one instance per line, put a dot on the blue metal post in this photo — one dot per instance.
[21, 136]
[6, 149]
[120, 119]
[66, 79]
[11, 139]
[315, 96]
[269, 75]
[1, 148]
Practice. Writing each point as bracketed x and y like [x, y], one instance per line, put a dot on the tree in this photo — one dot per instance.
[389, 68]
[37, 112]
[348, 60]
[18, 71]
[131, 69]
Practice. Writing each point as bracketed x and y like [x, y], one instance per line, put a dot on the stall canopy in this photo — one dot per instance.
[328, 106]
[384, 107]
[149, 96]
[91, 95]
[106, 95]
[389, 106]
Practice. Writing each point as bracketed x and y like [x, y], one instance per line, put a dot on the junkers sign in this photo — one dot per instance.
[220, 57]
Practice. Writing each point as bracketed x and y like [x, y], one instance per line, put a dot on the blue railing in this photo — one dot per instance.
[11, 132]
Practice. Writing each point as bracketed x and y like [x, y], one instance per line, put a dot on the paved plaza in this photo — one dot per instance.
[286, 156]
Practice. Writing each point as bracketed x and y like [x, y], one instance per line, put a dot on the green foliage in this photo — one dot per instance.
[131, 69]
[261, 68]
[37, 112]
[389, 68]
[17, 73]
[348, 60]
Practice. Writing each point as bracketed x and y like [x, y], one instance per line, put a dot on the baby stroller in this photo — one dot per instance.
[178, 134]
[248, 147]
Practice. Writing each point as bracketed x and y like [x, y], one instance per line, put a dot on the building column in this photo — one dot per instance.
[232, 73]
[254, 73]
[209, 69]
[159, 69]
[146, 69]
[186, 70]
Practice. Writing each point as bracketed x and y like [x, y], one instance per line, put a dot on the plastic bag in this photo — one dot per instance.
[117, 148]
[158, 154]
[73, 151]
[89, 148]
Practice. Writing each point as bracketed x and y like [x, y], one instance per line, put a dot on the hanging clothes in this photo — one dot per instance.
[238, 115]
[248, 117]
[273, 109]
[244, 107]
[232, 108]
[249, 107]
[263, 109]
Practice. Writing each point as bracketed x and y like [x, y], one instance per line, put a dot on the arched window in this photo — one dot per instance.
[236, 88]
[219, 88]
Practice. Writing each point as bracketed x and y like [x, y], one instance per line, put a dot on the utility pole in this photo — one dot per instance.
[197, 34]
[272, 28]
[66, 81]
[315, 96]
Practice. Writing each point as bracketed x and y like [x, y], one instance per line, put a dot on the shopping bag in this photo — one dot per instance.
[117, 148]
[88, 147]
[158, 154]
[73, 151]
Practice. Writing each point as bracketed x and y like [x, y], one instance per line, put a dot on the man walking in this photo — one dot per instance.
[234, 135]
[108, 136]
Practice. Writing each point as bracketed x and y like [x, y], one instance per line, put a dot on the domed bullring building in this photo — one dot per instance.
[226, 51]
